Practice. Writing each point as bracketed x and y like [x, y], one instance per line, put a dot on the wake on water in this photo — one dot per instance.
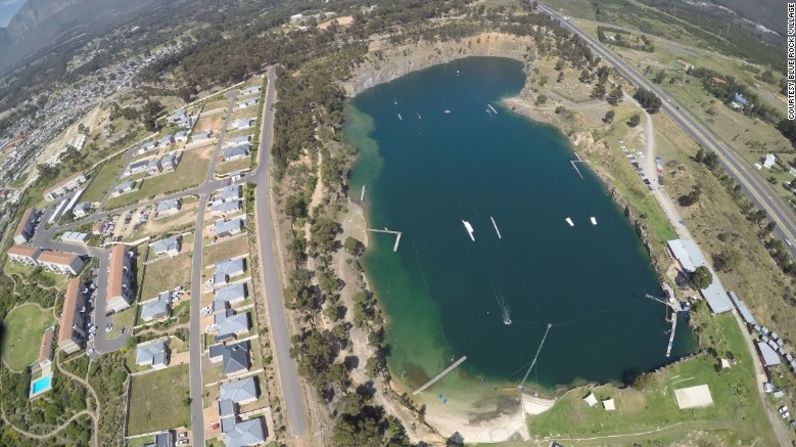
[505, 312]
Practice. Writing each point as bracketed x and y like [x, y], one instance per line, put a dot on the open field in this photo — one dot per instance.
[190, 172]
[106, 177]
[650, 403]
[224, 250]
[233, 166]
[22, 331]
[158, 400]
[165, 275]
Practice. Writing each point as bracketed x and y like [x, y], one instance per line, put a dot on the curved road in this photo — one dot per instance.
[756, 188]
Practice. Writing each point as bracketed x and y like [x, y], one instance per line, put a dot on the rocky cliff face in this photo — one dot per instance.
[34, 13]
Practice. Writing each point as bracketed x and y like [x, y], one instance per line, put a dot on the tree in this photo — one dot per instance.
[690, 198]
[353, 246]
[700, 278]
[149, 115]
[296, 207]
[615, 97]
[609, 117]
[648, 100]
[598, 91]
[727, 260]
[634, 120]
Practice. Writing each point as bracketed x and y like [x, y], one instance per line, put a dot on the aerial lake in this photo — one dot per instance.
[436, 148]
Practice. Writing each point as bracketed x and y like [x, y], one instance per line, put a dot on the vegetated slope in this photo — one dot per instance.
[41, 23]
[770, 13]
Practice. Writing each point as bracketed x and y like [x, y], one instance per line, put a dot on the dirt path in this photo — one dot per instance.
[53, 432]
[84, 382]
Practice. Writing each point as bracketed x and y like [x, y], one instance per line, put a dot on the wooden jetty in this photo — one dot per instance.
[362, 194]
[671, 335]
[672, 303]
[440, 376]
[388, 231]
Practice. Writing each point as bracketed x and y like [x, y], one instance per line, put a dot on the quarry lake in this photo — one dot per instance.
[436, 148]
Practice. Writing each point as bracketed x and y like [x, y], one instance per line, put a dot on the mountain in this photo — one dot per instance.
[769, 13]
[40, 24]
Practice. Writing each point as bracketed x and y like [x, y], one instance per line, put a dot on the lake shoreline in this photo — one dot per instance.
[397, 64]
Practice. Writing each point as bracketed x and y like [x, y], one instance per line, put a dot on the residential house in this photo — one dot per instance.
[225, 208]
[26, 226]
[153, 353]
[167, 140]
[65, 187]
[162, 439]
[157, 308]
[226, 228]
[71, 332]
[167, 246]
[168, 207]
[232, 294]
[137, 167]
[199, 137]
[229, 325]
[248, 102]
[82, 209]
[124, 188]
[60, 262]
[234, 358]
[146, 147]
[249, 91]
[181, 137]
[227, 270]
[23, 255]
[169, 162]
[74, 237]
[230, 193]
[241, 391]
[153, 167]
[237, 141]
[242, 124]
[770, 161]
[181, 118]
[119, 293]
[235, 153]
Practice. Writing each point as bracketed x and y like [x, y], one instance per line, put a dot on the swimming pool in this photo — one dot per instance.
[40, 385]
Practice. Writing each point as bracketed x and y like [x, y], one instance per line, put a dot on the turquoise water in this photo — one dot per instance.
[40, 385]
[427, 170]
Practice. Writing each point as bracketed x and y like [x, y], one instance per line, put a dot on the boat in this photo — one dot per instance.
[469, 229]
[593, 220]
[400, 117]
[447, 111]
[418, 116]
[569, 221]
[492, 109]
[496, 227]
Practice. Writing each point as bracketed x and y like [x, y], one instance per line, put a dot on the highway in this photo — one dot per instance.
[756, 188]
[287, 370]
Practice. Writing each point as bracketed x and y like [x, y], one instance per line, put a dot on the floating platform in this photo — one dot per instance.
[496, 227]
[569, 221]
[469, 229]
[593, 220]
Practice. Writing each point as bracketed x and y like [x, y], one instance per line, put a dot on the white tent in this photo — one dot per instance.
[609, 405]
[590, 400]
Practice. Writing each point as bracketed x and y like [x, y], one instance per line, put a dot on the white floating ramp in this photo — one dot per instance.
[440, 376]
[400, 117]
[569, 221]
[469, 229]
[492, 108]
[496, 227]
[593, 220]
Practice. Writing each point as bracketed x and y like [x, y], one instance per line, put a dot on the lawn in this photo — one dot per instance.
[106, 177]
[232, 166]
[650, 404]
[22, 332]
[190, 172]
[158, 401]
[166, 274]
[227, 249]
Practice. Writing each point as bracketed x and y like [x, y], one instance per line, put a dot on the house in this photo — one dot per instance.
[248, 102]
[236, 152]
[769, 161]
[226, 228]
[243, 433]
[198, 137]
[74, 237]
[169, 162]
[181, 137]
[237, 141]
[743, 310]
[60, 262]
[156, 308]
[231, 294]
[225, 208]
[234, 358]
[690, 257]
[124, 188]
[740, 100]
[230, 193]
[26, 226]
[243, 123]
[249, 91]
[226, 270]
[228, 324]
[162, 439]
[46, 349]
[241, 391]
[167, 140]
[167, 246]
[71, 333]
[168, 207]
[181, 118]
[23, 255]
[146, 147]
[154, 353]
[64, 187]
[153, 167]
[118, 292]
[137, 167]
[82, 209]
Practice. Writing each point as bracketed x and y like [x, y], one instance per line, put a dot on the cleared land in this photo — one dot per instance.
[158, 400]
[22, 331]
[106, 177]
[165, 275]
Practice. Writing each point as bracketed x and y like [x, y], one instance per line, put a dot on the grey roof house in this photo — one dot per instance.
[234, 358]
[154, 353]
[167, 246]
[156, 308]
[241, 391]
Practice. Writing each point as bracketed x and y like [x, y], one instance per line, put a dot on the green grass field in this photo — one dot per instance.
[24, 326]
[105, 178]
[158, 401]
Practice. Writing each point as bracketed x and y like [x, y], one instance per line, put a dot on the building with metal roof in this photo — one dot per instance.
[241, 391]
[743, 311]
[167, 246]
[768, 355]
[234, 358]
[154, 353]
[226, 270]
[226, 228]
[690, 258]
[168, 207]
[156, 308]
[232, 294]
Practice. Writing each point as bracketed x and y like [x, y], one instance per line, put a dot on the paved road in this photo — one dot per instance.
[758, 190]
[195, 331]
[292, 392]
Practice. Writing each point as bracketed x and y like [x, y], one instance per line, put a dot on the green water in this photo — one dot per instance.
[442, 292]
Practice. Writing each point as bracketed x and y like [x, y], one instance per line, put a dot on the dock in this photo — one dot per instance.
[440, 376]
[671, 335]
[362, 194]
[388, 231]
[574, 164]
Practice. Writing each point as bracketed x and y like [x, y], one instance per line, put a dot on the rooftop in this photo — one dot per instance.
[69, 310]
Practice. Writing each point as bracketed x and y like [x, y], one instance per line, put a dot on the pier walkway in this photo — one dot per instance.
[440, 376]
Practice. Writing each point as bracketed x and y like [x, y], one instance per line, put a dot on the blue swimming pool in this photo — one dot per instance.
[40, 385]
